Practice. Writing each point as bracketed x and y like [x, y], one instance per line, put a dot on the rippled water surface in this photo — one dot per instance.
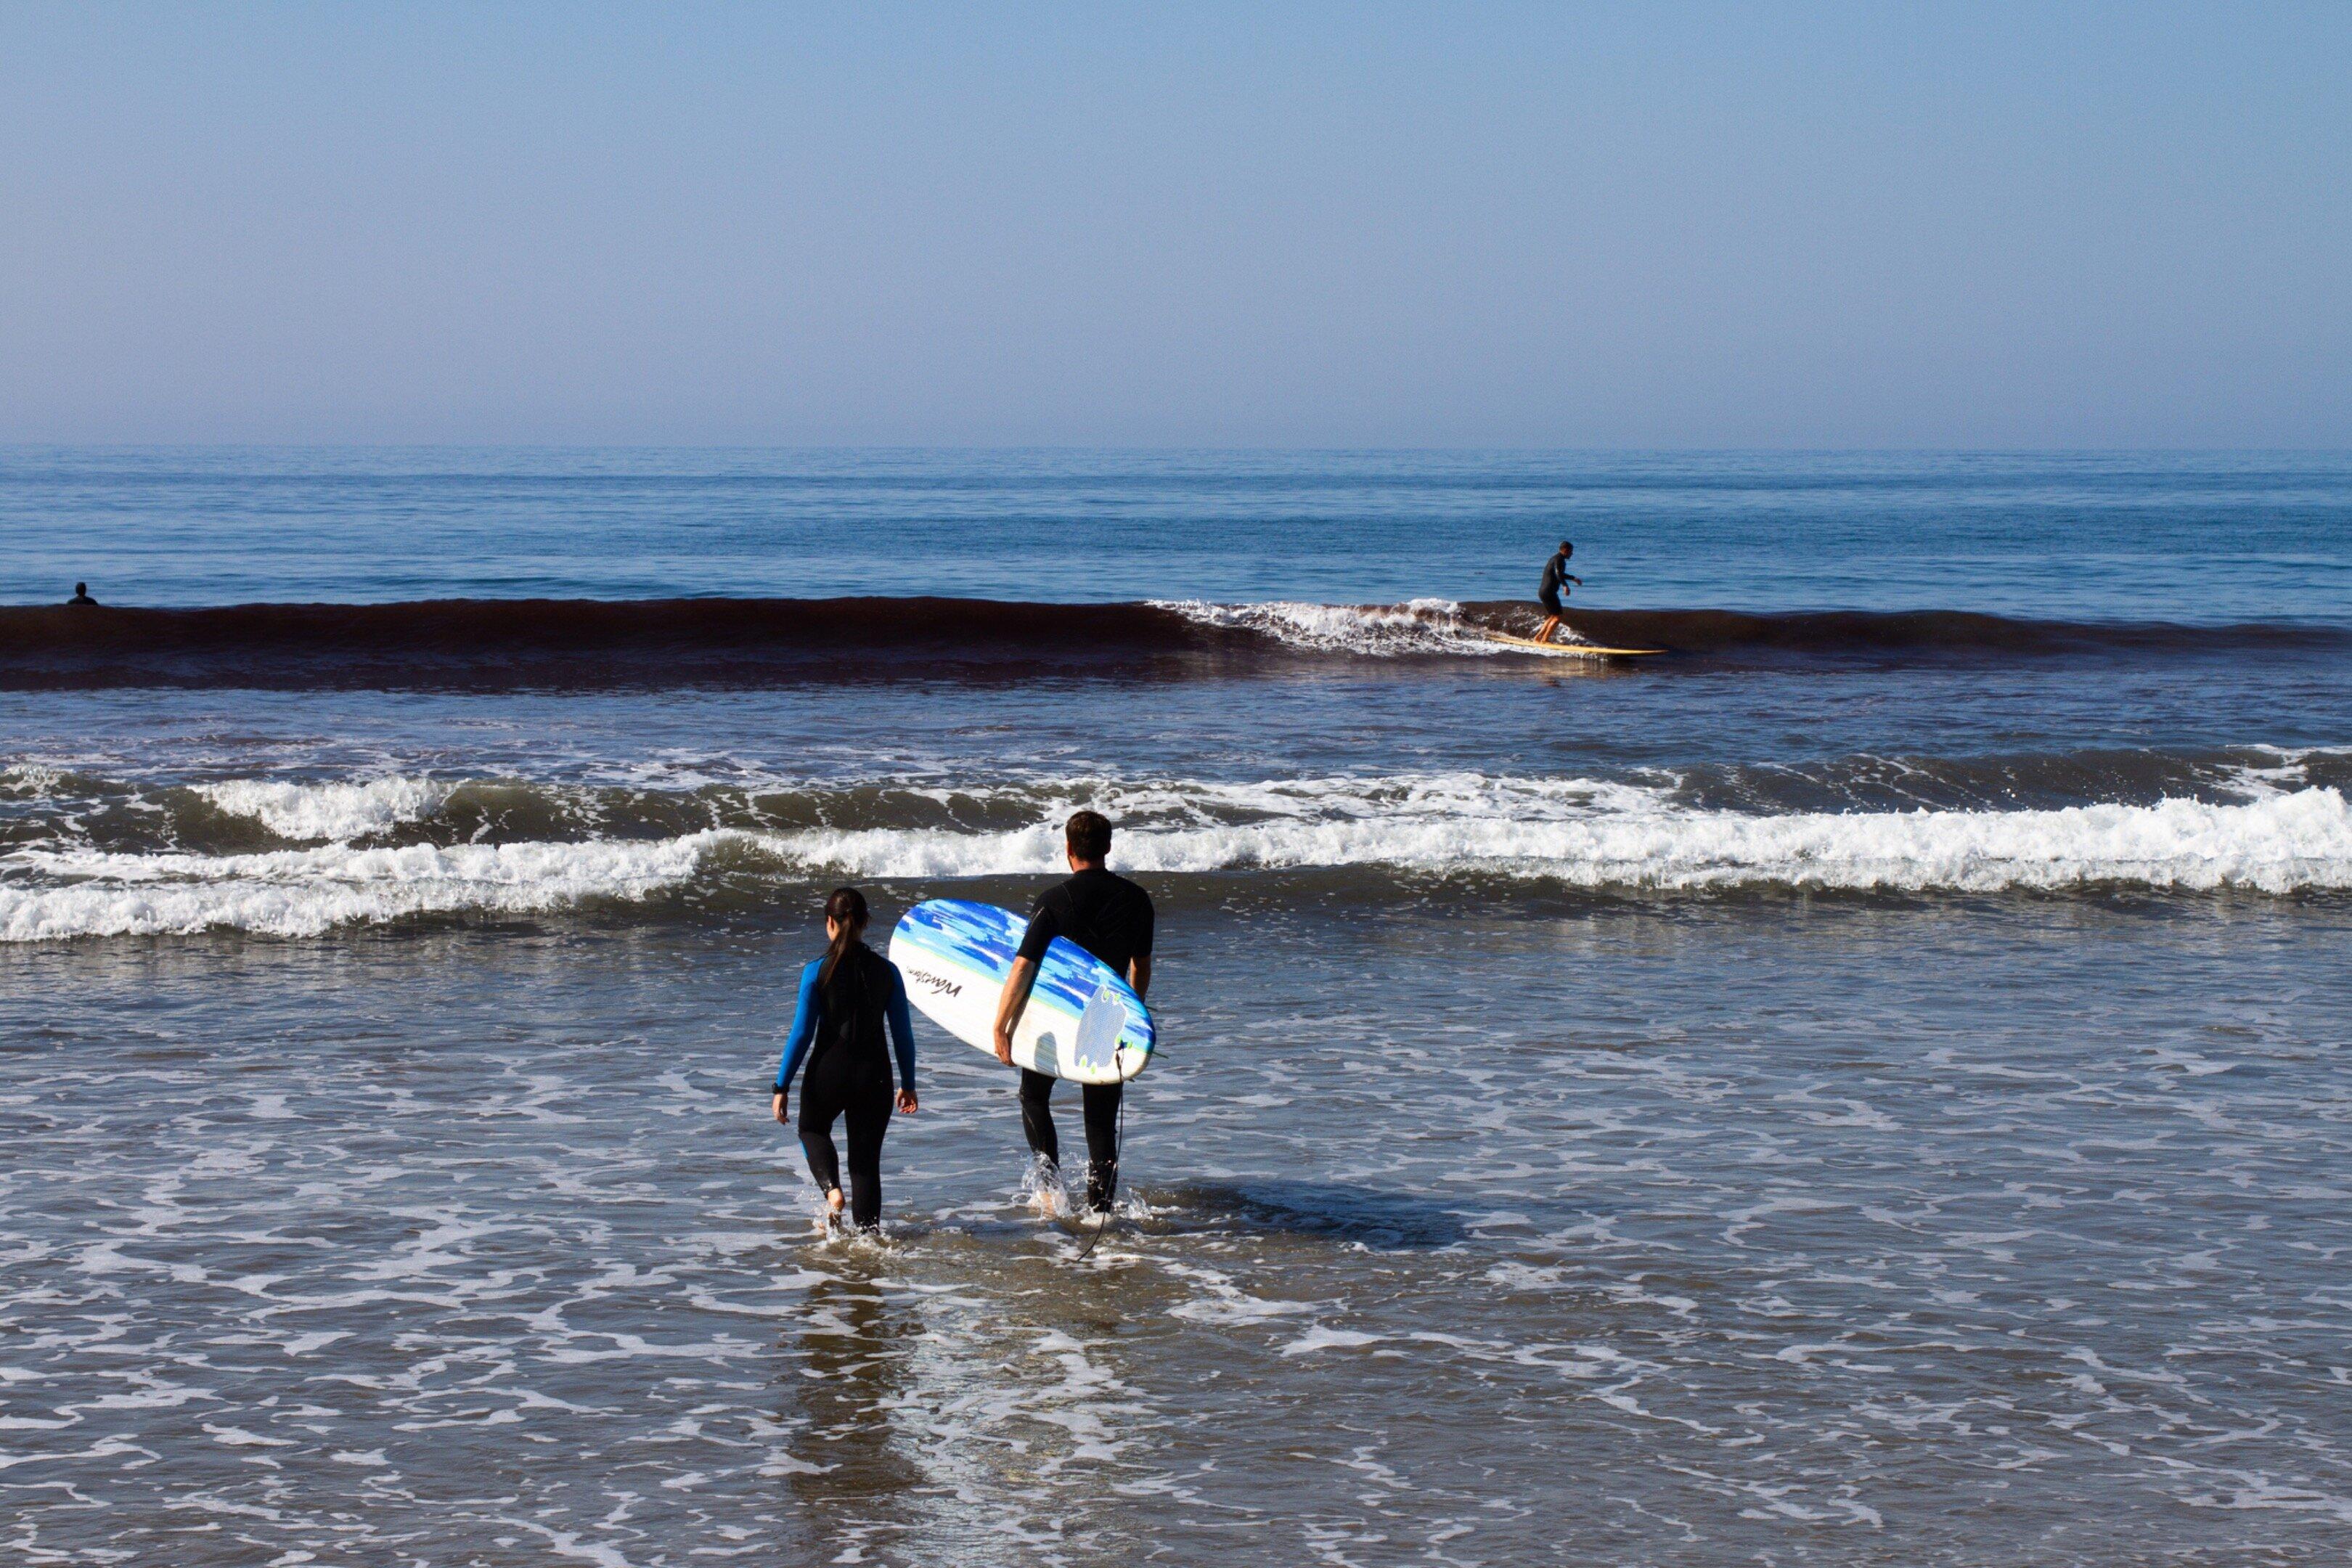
[1733, 1233]
[2017, 534]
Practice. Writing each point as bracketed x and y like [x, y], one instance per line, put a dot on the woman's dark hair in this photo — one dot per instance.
[846, 910]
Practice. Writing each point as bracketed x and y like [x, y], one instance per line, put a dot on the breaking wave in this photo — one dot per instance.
[321, 811]
[652, 643]
[302, 892]
[1420, 627]
[2273, 831]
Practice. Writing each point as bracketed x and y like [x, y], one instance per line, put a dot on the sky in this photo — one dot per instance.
[1283, 226]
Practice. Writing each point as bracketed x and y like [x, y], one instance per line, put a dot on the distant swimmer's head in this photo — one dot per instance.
[1088, 838]
[845, 926]
[81, 594]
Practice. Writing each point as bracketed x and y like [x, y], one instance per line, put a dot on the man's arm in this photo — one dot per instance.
[1009, 1004]
[1045, 925]
[1139, 963]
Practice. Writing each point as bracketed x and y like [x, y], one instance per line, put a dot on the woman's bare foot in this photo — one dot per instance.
[831, 1218]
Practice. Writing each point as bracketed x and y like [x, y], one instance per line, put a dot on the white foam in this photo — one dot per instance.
[1320, 1338]
[1422, 626]
[315, 812]
[1581, 832]
[2291, 770]
[301, 892]
[1622, 836]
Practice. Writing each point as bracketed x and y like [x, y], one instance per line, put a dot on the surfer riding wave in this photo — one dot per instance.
[1556, 575]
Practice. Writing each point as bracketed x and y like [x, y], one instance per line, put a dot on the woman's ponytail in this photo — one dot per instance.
[846, 910]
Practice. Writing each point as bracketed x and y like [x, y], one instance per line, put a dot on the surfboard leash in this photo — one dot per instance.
[1117, 1149]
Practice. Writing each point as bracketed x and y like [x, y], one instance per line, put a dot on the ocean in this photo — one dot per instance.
[1868, 1085]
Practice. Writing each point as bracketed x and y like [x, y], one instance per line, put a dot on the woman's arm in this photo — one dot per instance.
[796, 1044]
[902, 1036]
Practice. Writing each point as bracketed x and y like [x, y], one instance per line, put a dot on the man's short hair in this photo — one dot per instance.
[1088, 835]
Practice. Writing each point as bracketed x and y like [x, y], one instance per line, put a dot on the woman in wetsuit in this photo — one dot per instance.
[847, 999]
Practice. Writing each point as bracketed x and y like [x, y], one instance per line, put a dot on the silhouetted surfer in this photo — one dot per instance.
[1548, 593]
[81, 594]
[1110, 918]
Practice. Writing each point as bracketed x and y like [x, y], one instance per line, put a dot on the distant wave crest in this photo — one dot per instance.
[501, 644]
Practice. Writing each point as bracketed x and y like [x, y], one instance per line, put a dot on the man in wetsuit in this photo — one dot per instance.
[1111, 917]
[1548, 593]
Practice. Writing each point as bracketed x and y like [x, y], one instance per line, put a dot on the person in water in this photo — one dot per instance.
[847, 997]
[1110, 918]
[81, 594]
[1548, 593]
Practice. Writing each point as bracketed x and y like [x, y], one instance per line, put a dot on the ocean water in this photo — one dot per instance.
[1868, 1085]
[2200, 538]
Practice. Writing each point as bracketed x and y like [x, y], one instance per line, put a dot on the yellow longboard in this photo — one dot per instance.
[1570, 649]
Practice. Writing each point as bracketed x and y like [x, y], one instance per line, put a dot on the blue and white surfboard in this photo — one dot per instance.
[1083, 1022]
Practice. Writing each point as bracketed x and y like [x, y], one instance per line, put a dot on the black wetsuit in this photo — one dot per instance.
[1111, 917]
[1555, 575]
[839, 1030]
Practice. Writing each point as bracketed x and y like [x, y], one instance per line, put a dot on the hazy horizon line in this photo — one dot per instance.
[1145, 448]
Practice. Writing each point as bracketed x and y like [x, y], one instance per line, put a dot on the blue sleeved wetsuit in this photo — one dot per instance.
[848, 1075]
[806, 1015]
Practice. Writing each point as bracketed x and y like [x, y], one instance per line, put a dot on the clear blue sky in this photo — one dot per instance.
[1640, 224]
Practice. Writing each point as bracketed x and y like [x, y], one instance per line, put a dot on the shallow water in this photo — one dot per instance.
[1829, 1098]
[1740, 1235]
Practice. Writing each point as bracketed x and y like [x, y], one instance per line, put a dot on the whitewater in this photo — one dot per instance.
[1378, 631]
[1575, 833]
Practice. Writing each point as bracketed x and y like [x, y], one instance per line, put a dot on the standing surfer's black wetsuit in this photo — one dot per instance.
[1547, 591]
[838, 1029]
[1111, 917]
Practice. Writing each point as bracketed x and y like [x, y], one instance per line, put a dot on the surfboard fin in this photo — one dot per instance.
[1100, 1027]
